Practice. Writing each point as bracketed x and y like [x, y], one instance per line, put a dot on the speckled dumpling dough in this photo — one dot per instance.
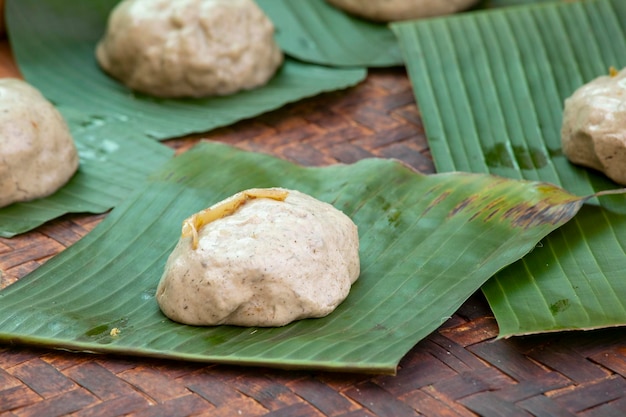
[37, 152]
[189, 48]
[593, 133]
[268, 264]
[395, 10]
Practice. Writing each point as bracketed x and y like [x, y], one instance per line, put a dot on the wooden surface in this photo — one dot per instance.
[459, 370]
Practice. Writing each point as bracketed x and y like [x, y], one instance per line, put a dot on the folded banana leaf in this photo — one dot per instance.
[316, 32]
[54, 41]
[490, 86]
[426, 244]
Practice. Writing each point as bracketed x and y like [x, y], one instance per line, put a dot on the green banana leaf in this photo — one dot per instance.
[112, 164]
[426, 244]
[53, 42]
[316, 32]
[506, 3]
[490, 86]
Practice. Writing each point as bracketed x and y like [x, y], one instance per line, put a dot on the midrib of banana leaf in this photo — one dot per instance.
[426, 244]
[490, 87]
[112, 164]
[54, 42]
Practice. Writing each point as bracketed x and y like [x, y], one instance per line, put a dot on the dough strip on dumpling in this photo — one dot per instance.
[193, 224]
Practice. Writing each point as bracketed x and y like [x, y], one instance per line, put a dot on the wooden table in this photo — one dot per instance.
[459, 370]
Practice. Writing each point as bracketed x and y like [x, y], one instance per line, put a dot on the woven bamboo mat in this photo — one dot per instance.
[459, 370]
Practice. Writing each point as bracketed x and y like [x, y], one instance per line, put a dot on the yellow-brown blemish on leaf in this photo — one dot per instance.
[613, 71]
[481, 203]
[493, 208]
[526, 215]
[437, 201]
[459, 207]
[193, 224]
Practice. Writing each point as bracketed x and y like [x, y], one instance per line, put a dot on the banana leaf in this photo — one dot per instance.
[53, 43]
[112, 164]
[426, 244]
[506, 3]
[490, 86]
[316, 32]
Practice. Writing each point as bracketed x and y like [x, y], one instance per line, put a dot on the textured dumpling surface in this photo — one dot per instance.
[267, 264]
[593, 133]
[37, 152]
[395, 10]
[189, 48]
